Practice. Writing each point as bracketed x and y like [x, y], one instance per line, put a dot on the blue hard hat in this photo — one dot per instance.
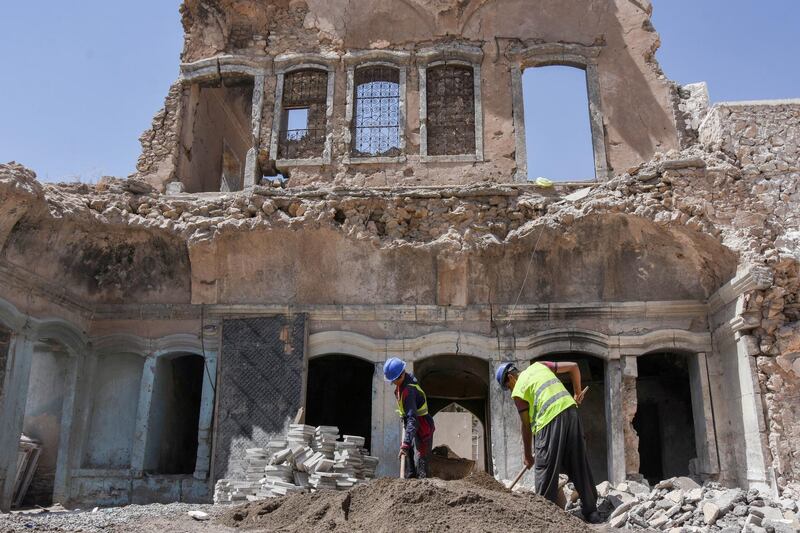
[502, 372]
[393, 369]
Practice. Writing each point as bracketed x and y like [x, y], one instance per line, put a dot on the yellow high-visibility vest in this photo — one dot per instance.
[422, 411]
[546, 395]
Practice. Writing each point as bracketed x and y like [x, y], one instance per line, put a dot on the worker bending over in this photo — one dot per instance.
[412, 406]
[548, 411]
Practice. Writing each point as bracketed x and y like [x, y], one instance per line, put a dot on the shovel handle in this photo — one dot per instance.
[403, 456]
[519, 476]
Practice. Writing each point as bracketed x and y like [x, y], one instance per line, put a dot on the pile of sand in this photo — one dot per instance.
[477, 503]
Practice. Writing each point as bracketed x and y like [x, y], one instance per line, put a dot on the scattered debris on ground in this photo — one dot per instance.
[477, 503]
[170, 518]
[682, 505]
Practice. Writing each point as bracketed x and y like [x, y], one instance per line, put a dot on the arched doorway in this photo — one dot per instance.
[461, 380]
[339, 393]
[175, 415]
[462, 432]
[664, 419]
[592, 410]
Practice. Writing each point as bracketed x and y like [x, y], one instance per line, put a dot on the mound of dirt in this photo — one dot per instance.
[477, 503]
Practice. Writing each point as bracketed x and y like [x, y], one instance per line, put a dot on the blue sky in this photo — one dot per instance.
[82, 80]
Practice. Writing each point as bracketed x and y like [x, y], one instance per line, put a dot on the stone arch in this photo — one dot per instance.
[64, 333]
[671, 340]
[11, 317]
[345, 342]
[569, 340]
[459, 378]
[121, 343]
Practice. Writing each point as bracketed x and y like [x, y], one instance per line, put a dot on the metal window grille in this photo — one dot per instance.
[306, 89]
[451, 110]
[376, 124]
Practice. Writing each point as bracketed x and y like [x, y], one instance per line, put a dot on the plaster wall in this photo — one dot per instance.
[613, 259]
[111, 435]
[47, 389]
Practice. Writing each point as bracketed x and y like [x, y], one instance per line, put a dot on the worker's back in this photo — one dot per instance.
[545, 394]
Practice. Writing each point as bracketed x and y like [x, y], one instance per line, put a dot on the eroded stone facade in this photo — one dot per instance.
[687, 243]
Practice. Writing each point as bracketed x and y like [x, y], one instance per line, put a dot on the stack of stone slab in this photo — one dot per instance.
[310, 459]
[681, 504]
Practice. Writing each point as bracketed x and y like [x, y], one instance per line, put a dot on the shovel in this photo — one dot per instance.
[403, 457]
[519, 476]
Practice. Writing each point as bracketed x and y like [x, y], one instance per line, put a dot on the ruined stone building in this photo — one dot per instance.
[152, 329]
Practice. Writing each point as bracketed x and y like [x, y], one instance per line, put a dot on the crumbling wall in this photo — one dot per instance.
[246, 27]
[617, 36]
[629, 405]
[763, 138]
[159, 143]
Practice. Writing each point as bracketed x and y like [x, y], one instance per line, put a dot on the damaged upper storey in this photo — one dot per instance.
[386, 93]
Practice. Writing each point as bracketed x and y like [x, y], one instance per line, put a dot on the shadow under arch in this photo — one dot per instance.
[593, 409]
[459, 379]
[339, 393]
[665, 418]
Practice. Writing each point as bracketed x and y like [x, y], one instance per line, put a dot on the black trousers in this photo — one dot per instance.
[417, 462]
[560, 448]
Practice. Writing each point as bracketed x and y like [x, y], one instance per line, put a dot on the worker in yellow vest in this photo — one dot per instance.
[549, 412]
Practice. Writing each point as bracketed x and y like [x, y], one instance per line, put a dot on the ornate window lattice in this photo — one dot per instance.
[376, 123]
[451, 110]
[304, 123]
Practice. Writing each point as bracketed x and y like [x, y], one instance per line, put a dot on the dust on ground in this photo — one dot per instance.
[475, 504]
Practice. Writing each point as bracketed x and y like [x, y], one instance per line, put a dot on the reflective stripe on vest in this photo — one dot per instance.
[546, 395]
[422, 411]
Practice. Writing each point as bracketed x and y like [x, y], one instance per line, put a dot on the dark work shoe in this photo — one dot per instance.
[594, 518]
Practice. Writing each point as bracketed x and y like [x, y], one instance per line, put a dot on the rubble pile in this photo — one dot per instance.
[310, 459]
[682, 505]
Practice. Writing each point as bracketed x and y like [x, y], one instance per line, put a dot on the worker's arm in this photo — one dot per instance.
[410, 409]
[574, 375]
[525, 427]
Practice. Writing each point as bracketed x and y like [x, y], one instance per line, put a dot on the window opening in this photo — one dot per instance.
[216, 136]
[557, 124]
[304, 122]
[451, 110]
[376, 128]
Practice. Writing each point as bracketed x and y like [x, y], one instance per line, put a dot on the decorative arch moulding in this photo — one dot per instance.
[219, 67]
[547, 54]
[494, 349]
